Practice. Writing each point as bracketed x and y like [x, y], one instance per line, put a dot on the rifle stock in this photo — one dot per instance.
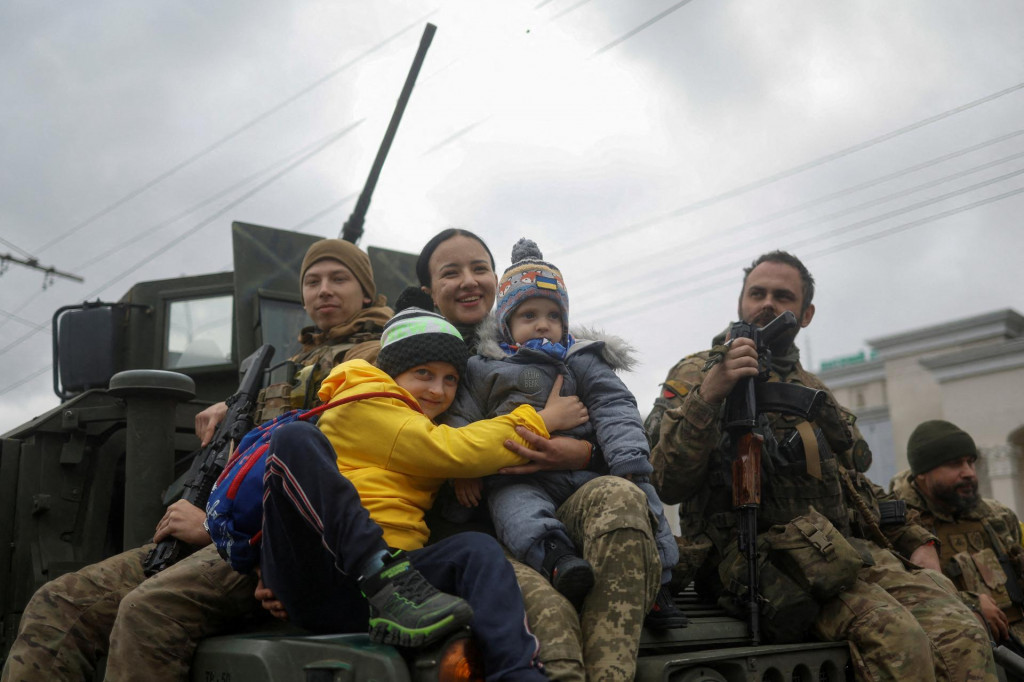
[210, 460]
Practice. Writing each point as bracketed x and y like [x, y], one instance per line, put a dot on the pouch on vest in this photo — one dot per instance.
[788, 611]
[814, 554]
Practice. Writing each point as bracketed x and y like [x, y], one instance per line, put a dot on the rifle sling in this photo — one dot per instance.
[811, 454]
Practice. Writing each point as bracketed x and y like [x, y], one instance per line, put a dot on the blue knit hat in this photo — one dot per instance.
[530, 276]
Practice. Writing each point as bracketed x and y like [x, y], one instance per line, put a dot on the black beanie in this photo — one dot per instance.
[415, 336]
[936, 442]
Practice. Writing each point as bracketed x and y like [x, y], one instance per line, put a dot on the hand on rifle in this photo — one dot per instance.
[183, 520]
[740, 361]
[207, 421]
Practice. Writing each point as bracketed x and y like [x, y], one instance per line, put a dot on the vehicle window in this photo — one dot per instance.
[280, 323]
[198, 332]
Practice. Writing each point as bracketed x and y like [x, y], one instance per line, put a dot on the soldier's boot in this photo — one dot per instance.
[664, 614]
[569, 573]
[405, 609]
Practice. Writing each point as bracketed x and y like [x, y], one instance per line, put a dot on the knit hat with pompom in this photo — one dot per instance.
[530, 276]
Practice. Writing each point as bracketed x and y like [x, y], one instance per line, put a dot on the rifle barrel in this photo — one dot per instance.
[353, 228]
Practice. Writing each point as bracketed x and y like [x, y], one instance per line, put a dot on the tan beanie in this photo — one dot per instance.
[346, 253]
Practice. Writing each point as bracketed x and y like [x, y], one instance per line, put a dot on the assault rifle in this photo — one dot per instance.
[210, 460]
[751, 397]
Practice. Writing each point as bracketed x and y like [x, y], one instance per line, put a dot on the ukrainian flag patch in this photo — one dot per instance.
[547, 283]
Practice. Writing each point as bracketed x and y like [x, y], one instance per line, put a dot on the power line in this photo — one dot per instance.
[230, 136]
[647, 24]
[736, 265]
[733, 230]
[9, 245]
[861, 223]
[795, 170]
[144, 234]
[161, 250]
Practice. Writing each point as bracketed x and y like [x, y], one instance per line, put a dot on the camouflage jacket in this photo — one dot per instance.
[967, 552]
[690, 455]
[359, 338]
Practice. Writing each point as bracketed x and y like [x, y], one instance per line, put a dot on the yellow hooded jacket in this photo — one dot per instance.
[397, 458]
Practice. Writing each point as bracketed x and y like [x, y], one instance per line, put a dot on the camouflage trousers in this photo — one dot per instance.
[609, 522]
[905, 625]
[147, 627]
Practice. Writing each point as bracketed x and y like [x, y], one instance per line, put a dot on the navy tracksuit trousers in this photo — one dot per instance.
[317, 536]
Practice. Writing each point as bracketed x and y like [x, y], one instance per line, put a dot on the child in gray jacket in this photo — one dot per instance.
[521, 353]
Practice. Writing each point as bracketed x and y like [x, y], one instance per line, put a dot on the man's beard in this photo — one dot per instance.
[959, 498]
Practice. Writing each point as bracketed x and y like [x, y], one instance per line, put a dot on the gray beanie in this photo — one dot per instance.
[936, 442]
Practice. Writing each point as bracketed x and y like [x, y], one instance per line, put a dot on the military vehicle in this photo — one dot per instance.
[91, 477]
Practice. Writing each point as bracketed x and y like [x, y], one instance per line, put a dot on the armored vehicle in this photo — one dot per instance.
[92, 476]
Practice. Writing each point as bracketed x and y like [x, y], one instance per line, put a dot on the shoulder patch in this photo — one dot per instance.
[674, 389]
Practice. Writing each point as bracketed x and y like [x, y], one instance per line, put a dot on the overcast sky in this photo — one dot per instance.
[651, 148]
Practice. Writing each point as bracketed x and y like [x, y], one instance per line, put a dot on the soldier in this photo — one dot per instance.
[901, 624]
[979, 539]
[153, 624]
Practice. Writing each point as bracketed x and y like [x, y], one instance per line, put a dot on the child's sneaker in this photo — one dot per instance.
[665, 615]
[406, 610]
[569, 573]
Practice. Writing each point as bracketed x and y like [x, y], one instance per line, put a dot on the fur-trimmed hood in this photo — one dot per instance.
[614, 350]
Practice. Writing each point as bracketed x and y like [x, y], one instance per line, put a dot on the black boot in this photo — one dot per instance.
[569, 573]
[665, 615]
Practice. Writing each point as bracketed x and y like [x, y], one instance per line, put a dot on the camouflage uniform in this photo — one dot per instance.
[966, 548]
[155, 624]
[608, 519]
[901, 625]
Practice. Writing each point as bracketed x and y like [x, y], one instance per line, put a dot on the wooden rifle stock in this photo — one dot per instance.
[746, 497]
[746, 471]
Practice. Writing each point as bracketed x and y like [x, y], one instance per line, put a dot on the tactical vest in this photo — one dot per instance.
[787, 489]
[970, 560]
[301, 391]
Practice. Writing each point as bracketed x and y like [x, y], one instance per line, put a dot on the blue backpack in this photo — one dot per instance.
[234, 510]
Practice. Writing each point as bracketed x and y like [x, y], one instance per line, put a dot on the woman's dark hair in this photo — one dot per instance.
[423, 262]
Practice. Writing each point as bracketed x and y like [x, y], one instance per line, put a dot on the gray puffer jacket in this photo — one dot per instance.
[496, 383]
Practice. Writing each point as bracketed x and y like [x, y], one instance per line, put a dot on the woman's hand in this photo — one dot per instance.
[562, 413]
[559, 453]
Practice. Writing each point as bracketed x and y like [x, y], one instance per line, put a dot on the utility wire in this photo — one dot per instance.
[147, 233]
[733, 268]
[230, 136]
[647, 24]
[843, 229]
[161, 250]
[719, 235]
[795, 170]
[23, 252]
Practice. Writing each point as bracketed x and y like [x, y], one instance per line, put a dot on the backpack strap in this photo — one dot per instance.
[309, 414]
